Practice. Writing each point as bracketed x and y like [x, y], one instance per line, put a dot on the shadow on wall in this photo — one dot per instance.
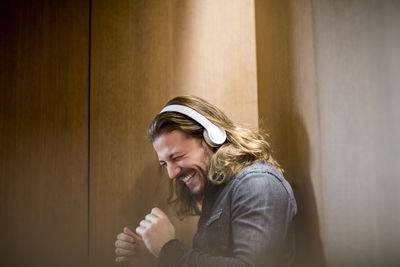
[297, 160]
[286, 101]
[291, 145]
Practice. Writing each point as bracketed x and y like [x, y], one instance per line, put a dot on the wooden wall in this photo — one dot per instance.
[44, 133]
[143, 54]
[288, 109]
[80, 85]
[328, 80]
[357, 61]
[81, 80]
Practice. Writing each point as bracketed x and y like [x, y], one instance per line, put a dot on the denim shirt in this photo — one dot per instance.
[247, 222]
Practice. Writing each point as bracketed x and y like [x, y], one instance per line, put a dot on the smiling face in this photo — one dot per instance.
[186, 159]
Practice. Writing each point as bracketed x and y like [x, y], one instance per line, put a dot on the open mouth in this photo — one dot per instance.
[189, 176]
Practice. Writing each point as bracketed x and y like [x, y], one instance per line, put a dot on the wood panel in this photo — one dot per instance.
[131, 78]
[43, 133]
[288, 108]
[214, 55]
[140, 56]
[328, 90]
[357, 59]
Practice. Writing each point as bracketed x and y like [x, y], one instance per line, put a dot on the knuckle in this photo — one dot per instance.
[138, 230]
[122, 236]
[121, 259]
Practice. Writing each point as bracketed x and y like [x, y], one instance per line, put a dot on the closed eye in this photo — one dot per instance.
[173, 158]
[177, 158]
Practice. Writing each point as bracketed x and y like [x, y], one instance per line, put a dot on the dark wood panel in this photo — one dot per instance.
[131, 79]
[44, 133]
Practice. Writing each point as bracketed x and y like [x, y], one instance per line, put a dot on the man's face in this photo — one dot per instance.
[186, 159]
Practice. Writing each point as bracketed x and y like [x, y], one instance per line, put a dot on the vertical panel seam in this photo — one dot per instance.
[89, 126]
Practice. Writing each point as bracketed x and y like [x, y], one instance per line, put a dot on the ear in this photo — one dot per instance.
[207, 147]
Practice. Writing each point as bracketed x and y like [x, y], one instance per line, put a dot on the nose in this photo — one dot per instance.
[173, 170]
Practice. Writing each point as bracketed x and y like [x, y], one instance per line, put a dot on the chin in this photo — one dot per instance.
[197, 187]
[197, 191]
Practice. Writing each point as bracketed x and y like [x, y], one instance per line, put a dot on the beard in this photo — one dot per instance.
[200, 180]
[181, 189]
[182, 197]
[202, 173]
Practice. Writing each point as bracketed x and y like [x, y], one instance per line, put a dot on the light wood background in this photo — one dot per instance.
[81, 81]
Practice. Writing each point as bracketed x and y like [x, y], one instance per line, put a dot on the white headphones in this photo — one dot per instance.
[213, 135]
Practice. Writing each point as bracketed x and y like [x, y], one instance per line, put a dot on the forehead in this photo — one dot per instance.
[173, 142]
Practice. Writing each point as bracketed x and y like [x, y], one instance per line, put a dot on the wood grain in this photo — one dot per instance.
[139, 55]
[44, 130]
[288, 109]
[131, 78]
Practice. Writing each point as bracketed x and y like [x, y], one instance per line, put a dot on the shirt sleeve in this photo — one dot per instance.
[261, 217]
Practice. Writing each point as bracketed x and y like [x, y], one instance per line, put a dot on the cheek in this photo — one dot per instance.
[188, 162]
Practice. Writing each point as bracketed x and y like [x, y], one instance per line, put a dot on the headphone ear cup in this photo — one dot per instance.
[208, 139]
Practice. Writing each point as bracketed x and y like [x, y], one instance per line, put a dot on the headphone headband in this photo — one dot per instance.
[214, 135]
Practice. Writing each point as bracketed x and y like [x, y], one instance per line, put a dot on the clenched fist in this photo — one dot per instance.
[131, 250]
[156, 230]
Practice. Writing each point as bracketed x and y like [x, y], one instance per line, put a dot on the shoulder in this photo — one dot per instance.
[260, 170]
[259, 167]
[261, 177]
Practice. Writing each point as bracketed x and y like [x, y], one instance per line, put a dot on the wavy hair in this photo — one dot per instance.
[242, 148]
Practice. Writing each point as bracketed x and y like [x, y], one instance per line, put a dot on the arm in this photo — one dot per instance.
[261, 216]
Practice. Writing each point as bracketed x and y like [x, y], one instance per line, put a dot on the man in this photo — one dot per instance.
[247, 207]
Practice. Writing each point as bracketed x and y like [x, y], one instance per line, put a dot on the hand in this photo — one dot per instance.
[156, 230]
[131, 250]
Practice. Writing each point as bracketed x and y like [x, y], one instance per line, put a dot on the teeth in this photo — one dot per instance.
[187, 177]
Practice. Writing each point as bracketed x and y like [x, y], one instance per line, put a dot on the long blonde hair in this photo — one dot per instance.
[242, 148]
